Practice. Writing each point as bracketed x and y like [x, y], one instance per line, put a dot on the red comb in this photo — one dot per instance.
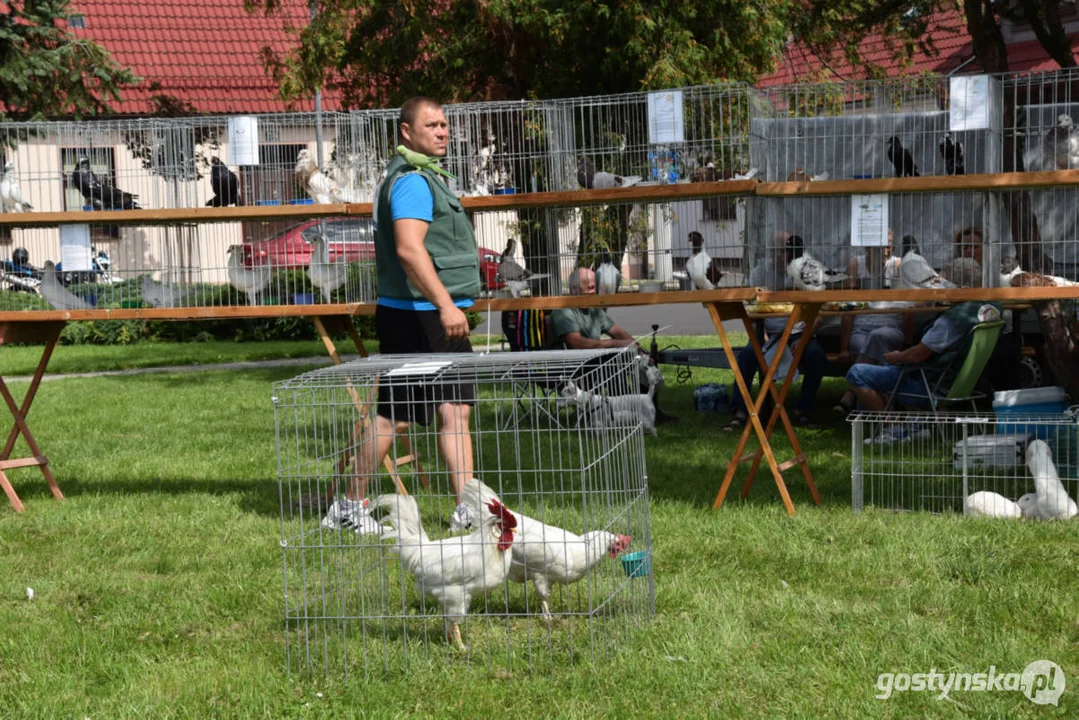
[507, 518]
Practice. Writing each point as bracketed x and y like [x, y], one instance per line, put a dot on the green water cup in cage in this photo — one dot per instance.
[636, 564]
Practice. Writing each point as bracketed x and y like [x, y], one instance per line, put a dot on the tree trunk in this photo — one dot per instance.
[986, 35]
[1044, 17]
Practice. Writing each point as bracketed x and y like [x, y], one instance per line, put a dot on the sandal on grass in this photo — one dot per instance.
[737, 422]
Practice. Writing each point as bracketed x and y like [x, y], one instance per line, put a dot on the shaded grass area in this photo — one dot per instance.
[158, 582]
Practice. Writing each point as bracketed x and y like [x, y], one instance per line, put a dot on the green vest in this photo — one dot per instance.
[449, 241]
[963, 318]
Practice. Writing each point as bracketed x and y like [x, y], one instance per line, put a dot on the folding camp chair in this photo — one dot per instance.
[534, 393]
[955, 382]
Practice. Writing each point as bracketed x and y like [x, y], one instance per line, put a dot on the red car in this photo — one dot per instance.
[350, 239]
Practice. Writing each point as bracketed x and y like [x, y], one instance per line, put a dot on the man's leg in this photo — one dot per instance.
[748, 366]
[813, 366]
[373, 448]
[455, 443]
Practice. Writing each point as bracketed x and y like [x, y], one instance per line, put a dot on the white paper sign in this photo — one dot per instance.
[968, 108]
[244, 140]
[665, 121]
[75, 248]
[869, 220]
[429, 367]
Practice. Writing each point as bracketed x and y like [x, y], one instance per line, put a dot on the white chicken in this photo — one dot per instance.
[546, 554]
[325, 274]
[1051, 500]
[452, 570]
[248, 280]
[322, 189]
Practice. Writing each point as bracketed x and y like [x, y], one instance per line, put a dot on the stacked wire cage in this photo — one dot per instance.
[550, 455]
[951, 462]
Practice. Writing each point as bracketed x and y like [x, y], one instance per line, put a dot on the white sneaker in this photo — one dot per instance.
[461, 519]
[345, 514]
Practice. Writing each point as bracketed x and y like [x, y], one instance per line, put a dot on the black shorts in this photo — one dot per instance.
[408, 332]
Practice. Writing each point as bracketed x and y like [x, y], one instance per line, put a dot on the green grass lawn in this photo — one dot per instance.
[158, 582]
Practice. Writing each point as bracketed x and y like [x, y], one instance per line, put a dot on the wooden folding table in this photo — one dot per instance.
[26, 332]
[806, 312]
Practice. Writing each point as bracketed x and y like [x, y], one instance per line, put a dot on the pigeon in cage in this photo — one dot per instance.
[11, 199]
[991, 504]
[901, 159]
[162, 296]
[325, 274]
[56, 294]
[1051, 500]
[701, 268]
[590, 179]
[1061, 146]
[100, 194]
[516, 278]
[451, 570]
[545, 554]
[916, 273]
[250, 280]
[225, 184]
[952, 152]
[319, 186]
[808, 273]
[608, 279]
[800, 174]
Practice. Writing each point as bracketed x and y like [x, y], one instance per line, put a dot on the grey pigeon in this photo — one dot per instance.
[247, 280]
[162, 296]
[915, 272]
[516, 278]
[608, 279]
[11, 199]
[325, 274]
[99, 193]
[1062, 145]
[225, 184]
[56, 294]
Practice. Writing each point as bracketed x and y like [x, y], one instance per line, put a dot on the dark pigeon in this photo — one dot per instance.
[901, 159]
[225, 184]
[98, 193]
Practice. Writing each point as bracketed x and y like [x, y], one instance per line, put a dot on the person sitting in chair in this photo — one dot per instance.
[938, 347]
[584, 328]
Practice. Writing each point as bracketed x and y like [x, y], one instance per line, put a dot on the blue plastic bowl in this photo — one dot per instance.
[303, 299]
[506, 191]
[264, 203]
[636, 564]
[301, 201]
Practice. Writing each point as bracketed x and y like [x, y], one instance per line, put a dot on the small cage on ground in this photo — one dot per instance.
[577, 579]
[974, 464]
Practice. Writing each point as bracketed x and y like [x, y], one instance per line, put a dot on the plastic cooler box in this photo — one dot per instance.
[1035, 401]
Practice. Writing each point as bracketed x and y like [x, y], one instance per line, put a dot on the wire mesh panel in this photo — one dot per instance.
[555, 435]
[975, 464]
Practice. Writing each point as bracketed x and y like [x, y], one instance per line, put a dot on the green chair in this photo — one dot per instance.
[955, 381]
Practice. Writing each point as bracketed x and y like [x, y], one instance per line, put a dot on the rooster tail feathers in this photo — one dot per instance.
[403, 515]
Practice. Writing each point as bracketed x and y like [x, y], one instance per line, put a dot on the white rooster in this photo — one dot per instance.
[322, 189]
[1051, 500]
[248, 280]
[546, 554]
[454, 569]
[325, 274]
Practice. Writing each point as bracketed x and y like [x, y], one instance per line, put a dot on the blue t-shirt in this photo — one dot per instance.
[941, 336]
[411, 199]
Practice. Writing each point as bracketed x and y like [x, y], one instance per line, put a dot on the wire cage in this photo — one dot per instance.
[547, 450]
[951, 462]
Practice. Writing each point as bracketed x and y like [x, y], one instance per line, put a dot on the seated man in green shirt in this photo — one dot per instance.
[584, 328]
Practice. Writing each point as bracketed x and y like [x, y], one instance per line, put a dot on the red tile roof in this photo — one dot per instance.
[204, 53]
[951, 39]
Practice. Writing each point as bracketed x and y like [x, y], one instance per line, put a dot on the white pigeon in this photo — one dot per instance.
[11, 199]
[697, 269]
[991, 504]
[56, 294]
[1051, 500]
[325, 274]
[915, 272]
[608, 279]
[161, 296]
[248, 280]
[808, 273]
[747, 175]
[322, 189]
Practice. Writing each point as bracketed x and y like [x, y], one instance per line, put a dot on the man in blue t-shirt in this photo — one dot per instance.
[420, 309]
